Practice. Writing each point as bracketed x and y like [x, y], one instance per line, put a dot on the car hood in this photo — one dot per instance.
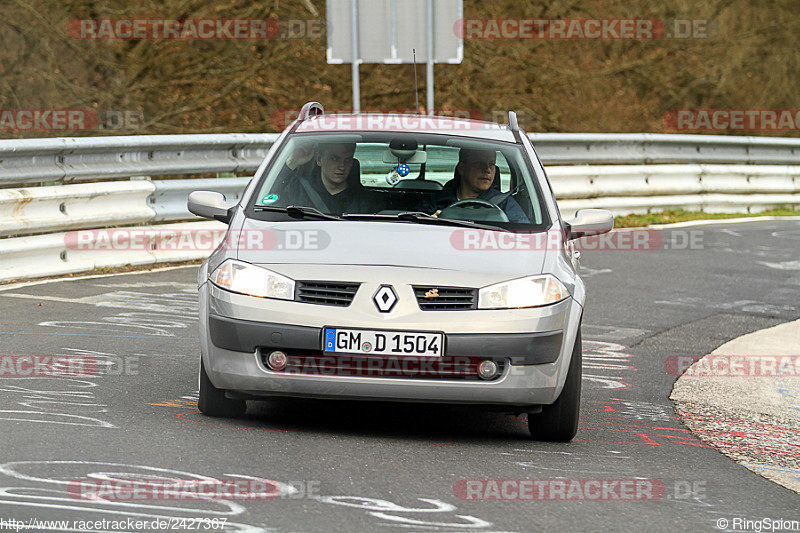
[395, 244]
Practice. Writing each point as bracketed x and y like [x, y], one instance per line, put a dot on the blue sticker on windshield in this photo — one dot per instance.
[269, 199]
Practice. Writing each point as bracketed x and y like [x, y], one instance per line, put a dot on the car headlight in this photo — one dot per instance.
[244, 278]
[533, 291]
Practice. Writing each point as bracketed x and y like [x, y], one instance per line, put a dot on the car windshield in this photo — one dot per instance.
[385, 176]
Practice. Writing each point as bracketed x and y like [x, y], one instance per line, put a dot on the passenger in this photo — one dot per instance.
[332, 185]
[475, 178]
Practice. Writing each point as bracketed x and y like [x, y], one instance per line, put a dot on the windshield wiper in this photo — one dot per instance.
[297, 211]
[418, 216]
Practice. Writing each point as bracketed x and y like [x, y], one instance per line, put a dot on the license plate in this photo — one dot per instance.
[368, 342]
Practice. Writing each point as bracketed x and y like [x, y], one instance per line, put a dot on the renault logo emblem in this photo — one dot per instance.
[385, 298]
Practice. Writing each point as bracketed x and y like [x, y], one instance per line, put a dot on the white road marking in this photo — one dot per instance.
[586, 272]
[610, 333]
[26, 496]
[91, 300]
[784, 265]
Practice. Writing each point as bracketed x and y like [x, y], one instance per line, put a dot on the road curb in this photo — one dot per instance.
[55, 279]
[753, 419]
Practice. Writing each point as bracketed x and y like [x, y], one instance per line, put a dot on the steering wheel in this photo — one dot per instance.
[474, 209]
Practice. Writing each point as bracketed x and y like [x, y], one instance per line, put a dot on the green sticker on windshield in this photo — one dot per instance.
[269, 199]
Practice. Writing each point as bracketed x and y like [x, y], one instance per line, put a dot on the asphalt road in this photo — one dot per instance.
[349, 466]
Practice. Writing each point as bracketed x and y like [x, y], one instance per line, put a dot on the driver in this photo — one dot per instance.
[474, 178]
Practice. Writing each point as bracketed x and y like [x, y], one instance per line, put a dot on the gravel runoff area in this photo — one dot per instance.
[752, 384]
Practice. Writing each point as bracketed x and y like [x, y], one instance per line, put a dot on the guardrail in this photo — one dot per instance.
[627, 189]
[55, 254]
[69, 159]
[579, 166]
[650, 148]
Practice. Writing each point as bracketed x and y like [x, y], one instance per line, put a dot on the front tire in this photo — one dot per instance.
[213, 402]
[558, 422]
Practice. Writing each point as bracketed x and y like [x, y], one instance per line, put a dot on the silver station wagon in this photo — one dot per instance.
[398, 258]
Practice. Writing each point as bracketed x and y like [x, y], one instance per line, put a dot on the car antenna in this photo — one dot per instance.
[416, 89]
[416, 95]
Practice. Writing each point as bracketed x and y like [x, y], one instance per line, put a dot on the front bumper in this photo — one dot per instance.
[518, 386]
[537, 344]
[520, 348]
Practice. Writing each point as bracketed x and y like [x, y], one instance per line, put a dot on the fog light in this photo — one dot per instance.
[276, 360]
[487, 369]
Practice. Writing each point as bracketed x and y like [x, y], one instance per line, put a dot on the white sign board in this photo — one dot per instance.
[388, 30]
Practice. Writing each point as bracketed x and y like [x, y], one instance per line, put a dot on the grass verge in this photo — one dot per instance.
[679, 215]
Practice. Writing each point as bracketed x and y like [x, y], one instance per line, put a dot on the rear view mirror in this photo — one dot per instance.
[590, 222]
[414, 158]
[209, 204]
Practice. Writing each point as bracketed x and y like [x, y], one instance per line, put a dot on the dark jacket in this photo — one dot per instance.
[303, 187]
[448, 196]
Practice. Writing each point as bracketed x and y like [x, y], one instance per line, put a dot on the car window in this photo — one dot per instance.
[439, 167]
[387, 173]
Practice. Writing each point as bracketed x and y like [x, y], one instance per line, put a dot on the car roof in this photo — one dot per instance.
[400, 123]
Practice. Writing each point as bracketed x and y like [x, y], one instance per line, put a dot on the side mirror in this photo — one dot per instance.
[590, 222]
[209, 204]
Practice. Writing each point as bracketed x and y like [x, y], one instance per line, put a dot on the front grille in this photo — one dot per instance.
[432, 298]
[338, 293]
[312, 363]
